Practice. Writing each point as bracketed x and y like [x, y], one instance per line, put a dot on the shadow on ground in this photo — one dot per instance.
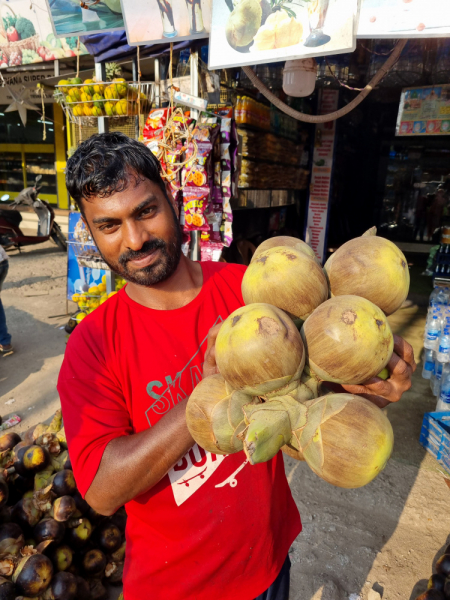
[34, 342]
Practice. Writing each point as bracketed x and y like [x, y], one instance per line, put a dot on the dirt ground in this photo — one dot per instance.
[380, 541]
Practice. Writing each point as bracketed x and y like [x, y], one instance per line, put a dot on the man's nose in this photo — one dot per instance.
[134, 235]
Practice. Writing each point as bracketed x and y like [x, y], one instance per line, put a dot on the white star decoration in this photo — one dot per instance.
[20, 103]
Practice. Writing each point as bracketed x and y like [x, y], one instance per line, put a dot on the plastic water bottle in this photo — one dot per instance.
[444, 397]
[433, 296]
[428, 364]
[437, 380]
[432, 332]
[442, 298]
[443, 351]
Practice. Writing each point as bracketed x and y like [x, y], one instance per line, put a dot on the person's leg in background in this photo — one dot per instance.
[5, 338]
[279, 590]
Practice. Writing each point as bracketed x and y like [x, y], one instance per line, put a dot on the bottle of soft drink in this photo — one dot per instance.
[428, 364]
[432, 332]
[444, 397]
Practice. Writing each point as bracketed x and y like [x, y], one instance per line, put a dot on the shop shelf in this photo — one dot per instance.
[435, 436]
[137, 98]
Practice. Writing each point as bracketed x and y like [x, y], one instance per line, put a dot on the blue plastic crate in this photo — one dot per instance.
[435, 436]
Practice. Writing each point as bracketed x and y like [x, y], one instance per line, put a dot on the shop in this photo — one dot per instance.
[23, 152]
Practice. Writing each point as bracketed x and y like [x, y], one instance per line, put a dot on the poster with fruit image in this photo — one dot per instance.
[161, 21]
[404, 19]
[26, 35]
[69, 17]
[249, 32]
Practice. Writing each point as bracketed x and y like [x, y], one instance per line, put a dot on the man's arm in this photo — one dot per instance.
[133, 464]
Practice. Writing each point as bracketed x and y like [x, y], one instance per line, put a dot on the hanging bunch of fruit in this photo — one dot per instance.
[93, 298]
[113, 98]
[275, 354]
[53, 545]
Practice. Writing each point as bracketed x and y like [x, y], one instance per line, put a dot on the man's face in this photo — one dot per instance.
[137, 232]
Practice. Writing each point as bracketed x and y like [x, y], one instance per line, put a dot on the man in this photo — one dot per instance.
[200, 526]
[5, 337]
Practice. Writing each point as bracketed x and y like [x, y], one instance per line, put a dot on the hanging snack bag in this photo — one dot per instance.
[195, 204]
[155, 123]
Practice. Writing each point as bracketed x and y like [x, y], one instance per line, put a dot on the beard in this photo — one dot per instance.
[160, 270]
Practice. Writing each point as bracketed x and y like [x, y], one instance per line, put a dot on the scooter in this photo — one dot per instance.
[10, 219]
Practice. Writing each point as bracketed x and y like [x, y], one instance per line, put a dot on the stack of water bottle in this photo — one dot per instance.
[436, 365]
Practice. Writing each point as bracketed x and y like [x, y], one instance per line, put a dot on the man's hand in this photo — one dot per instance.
[401, 367]
[210, 366]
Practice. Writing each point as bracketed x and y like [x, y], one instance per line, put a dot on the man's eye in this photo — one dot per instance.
[147, 211]
[108, 227]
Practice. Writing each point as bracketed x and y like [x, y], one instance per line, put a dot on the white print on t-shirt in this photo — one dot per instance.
[197, 466]
[176, 388]
[231, 480]
[193, 470]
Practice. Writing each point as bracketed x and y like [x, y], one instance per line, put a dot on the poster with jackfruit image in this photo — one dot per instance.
[250, 32]
[27, 37]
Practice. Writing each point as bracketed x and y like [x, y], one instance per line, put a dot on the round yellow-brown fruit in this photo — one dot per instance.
[285, 240]
[286, 278]
[371, 267]
[347, 340]
[356, 444]
[259, 349]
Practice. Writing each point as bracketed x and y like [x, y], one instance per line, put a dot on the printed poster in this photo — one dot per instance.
[249, 32]
[424, 111]
[404, 19]
[321, 173]
[70, 18]
[162, 21]
[27, 37]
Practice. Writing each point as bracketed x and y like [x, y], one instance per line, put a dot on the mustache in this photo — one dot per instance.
[146, 249]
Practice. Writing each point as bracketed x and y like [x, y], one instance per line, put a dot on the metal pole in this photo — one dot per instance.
[56, 67]
[195, 235]
[110, 282]
[100, 74]
[157, 84]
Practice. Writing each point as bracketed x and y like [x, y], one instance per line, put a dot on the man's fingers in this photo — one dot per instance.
[399, 368]
[212, 335]
[405, 351]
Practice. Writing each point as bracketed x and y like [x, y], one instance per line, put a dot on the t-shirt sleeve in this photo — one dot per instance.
[93, 406]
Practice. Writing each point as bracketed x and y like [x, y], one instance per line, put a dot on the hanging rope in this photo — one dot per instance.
[78, 57]
[44, 133]
[393, 58]
[171, 77]
[139, 89]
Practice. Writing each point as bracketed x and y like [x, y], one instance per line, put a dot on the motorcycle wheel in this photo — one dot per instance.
[58, 237]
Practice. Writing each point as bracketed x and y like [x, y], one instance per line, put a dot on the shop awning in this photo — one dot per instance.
[114, 46]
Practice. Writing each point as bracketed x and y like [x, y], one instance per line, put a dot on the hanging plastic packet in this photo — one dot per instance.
[195, 205]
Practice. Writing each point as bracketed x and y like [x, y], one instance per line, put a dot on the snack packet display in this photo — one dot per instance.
[195, 205]
[155, 122]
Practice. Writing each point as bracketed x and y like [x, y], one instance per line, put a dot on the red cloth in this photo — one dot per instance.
[214, 527]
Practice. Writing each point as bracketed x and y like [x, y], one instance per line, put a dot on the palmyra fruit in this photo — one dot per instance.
[259, 350]
[243, 23]
[285, 240]
[286, 278]
[279, 31]
[346, 441]
[347, 340]
[214, 415]
[33, 575]
[371, 267]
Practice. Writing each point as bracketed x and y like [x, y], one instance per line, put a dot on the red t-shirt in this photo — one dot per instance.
[215, 526]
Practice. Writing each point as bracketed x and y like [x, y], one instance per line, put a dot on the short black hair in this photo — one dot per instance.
[103, 165]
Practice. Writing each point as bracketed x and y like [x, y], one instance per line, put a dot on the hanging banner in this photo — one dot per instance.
[162, 21]
[68, 17]
[321, 173]
[404, 19]
[250, 32]
[26, 35]
[424, 111]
